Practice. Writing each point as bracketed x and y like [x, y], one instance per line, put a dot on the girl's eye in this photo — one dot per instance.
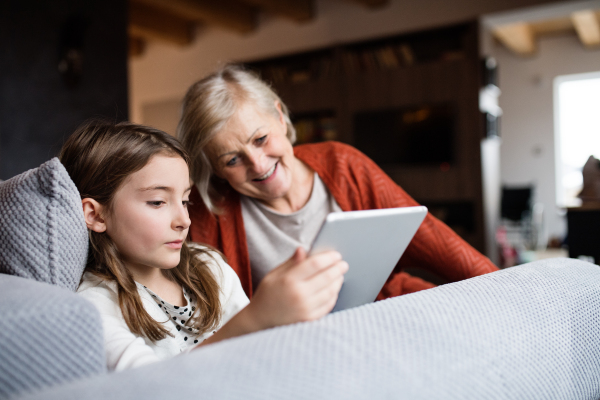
[186, 203]
[156, 203]
[232, 162]
[261, 139]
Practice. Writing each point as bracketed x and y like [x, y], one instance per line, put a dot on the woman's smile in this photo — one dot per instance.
[269, 174]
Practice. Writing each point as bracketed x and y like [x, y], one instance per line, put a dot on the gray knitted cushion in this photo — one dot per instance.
[42, 232]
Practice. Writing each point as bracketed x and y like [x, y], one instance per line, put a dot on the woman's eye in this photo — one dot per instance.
[261, 139]
[186, 203]
[156, 203]
[231, 162]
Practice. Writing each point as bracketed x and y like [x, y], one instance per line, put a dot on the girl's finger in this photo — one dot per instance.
[296, 258]
[325, 277]
[325, 298]
[315, 264]
[325, 302]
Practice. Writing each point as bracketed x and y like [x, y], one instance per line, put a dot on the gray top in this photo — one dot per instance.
[273, 237]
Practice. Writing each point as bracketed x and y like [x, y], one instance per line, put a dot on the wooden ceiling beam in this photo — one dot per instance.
[555, 26]
[518, 37]
[296, 10]
[229, 14]
[587, 27]
[150, 23]
[372, 3]
[137, 46]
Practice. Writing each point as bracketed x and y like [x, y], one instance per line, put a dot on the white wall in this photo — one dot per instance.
[165, 72]
[527, 125]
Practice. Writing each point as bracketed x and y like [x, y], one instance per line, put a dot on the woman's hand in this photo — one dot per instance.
[301, 289]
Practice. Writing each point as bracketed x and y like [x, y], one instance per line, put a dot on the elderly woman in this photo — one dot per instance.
[258, 199]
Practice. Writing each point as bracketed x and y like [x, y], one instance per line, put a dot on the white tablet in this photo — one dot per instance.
[371, 242]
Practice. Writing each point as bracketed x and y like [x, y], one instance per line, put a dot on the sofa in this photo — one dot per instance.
[527, 332]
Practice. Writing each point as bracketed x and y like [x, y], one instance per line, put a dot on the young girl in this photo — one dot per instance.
[158, 295]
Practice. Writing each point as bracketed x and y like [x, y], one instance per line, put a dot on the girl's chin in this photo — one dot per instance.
[172, 263]
[168, 267]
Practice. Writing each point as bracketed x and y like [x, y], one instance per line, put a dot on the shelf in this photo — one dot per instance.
[389, 53]
[314, 127]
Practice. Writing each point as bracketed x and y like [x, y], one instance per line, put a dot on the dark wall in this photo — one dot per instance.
[40, 106]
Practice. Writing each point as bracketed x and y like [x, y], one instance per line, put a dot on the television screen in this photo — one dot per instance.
[410, 135]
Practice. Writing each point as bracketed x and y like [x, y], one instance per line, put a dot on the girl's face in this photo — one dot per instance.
[253, 154]
[149, 220]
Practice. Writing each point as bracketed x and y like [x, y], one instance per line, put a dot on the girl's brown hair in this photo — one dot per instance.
[99, 156]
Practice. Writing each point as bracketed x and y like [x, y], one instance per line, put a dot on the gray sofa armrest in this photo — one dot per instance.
[526, 332]
[48, 336]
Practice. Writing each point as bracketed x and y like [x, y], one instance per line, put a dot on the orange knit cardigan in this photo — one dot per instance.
[356, 183]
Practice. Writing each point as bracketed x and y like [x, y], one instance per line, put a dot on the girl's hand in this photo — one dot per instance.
[301, 289]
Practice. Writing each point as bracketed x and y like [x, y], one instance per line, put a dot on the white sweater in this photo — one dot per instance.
[125, 349]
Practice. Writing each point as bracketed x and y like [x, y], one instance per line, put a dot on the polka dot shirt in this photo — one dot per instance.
[180, 315]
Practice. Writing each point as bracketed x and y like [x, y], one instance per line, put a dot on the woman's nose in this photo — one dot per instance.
[257, 161]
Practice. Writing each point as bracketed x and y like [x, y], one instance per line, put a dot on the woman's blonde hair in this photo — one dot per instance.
[208, 105]
[99, 156]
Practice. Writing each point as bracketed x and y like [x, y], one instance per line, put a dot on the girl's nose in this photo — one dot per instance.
[181, 221]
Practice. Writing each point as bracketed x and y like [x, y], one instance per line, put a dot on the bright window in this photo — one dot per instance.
[577, 132]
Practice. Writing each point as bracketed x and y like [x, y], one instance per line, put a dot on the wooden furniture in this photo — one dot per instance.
[584, 231]
[332, 88]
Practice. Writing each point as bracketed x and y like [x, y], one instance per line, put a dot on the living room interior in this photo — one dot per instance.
[487, 72]
[499, 141]
[555, 45]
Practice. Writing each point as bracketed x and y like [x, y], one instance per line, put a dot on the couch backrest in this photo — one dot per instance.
[528, 332]
[48, 336]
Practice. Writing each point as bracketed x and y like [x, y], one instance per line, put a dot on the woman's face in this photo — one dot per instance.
[254, 155]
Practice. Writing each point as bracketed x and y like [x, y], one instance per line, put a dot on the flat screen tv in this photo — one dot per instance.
[415, 135]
